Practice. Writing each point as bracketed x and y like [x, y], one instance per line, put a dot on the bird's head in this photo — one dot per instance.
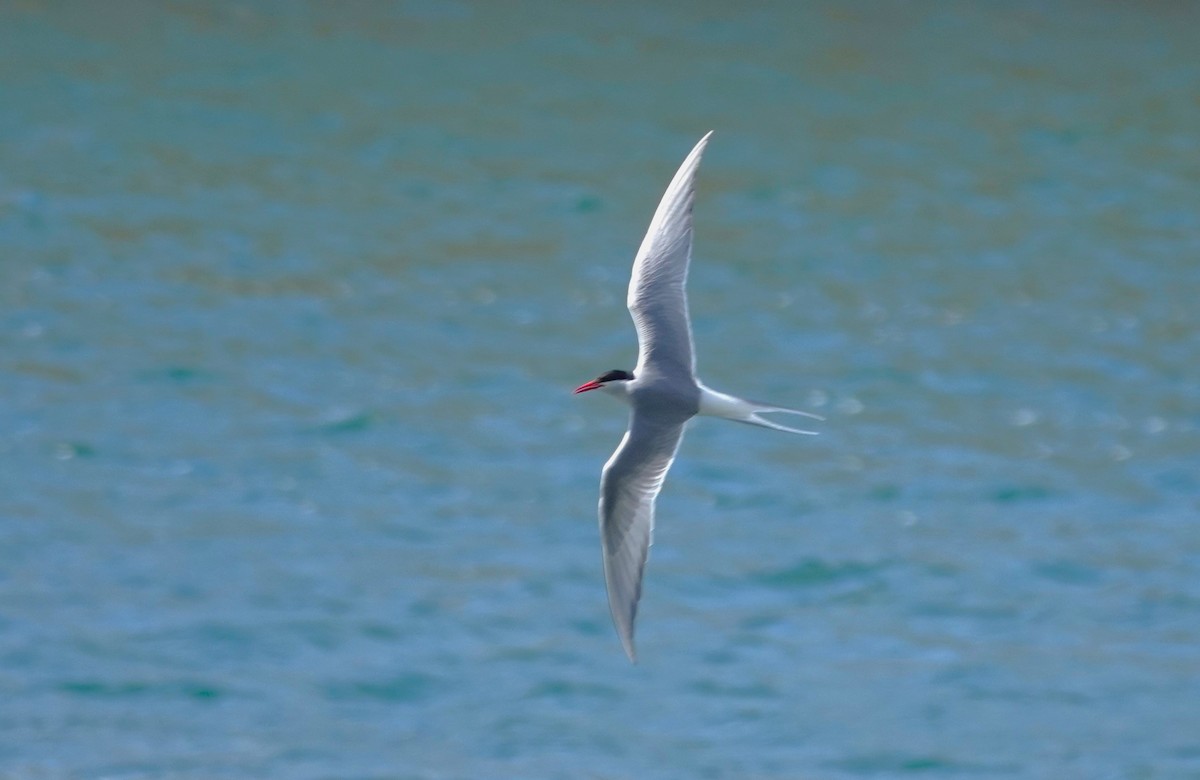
[615, 381]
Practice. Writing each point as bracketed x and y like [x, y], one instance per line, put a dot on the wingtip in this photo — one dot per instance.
[693, 159]
[627, 644]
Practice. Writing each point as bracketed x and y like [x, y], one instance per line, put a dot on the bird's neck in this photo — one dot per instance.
[619, 389]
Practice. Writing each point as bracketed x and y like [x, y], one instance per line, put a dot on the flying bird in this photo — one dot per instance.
[663, 393]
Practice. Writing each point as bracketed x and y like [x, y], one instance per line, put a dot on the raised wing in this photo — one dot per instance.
[658, 286]
[630, 483]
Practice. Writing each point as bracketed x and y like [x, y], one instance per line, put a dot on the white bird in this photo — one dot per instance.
[664, 394]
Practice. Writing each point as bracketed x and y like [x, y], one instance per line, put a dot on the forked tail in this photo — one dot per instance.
[755, 419]
[716, 404]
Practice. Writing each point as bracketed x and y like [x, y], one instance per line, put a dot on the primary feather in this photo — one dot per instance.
[658, 285]
[629, 485]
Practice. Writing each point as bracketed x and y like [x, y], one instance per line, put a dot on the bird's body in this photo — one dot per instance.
[663, 393]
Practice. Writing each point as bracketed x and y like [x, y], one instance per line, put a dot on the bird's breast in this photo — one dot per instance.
[666, 397]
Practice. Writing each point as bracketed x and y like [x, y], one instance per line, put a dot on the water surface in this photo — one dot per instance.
[292, 298]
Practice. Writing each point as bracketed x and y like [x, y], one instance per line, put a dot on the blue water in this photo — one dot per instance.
[293, 296]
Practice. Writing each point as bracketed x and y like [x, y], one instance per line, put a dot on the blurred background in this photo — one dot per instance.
[293, 297]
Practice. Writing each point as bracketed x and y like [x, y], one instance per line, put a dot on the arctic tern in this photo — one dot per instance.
[663, 393]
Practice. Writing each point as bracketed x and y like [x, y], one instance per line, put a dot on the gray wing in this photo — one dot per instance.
[658, 286]
[631, 481]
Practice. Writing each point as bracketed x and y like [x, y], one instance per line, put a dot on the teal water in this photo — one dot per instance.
[293, 296]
